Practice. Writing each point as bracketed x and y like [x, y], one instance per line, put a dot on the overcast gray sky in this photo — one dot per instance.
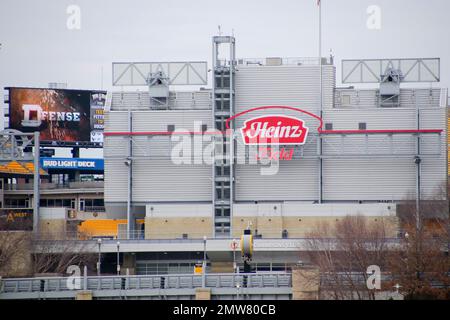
[38, 48]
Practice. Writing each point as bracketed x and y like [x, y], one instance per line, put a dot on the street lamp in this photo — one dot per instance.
[118, 258]
[99, 262]
[204, 262]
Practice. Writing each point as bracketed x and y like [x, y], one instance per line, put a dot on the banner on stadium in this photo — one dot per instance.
[20, 219]
[72, 164]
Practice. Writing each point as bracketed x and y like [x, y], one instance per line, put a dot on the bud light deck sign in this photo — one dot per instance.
[72, 164]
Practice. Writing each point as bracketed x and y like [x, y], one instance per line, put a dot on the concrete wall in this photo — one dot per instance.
[221, 267]
[52, 227]
[169, 228]
[300, 226]
[165, 221]
[52, 222]
[300, 218]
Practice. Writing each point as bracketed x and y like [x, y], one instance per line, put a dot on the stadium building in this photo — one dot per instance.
[273, 146]
[358, 150]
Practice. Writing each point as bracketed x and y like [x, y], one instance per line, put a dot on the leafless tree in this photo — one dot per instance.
[55, 255]
[15, 243]
[418, 261]
[24, 253]
[422, 265]
[14, 252]
[344, 251]
[431, 209]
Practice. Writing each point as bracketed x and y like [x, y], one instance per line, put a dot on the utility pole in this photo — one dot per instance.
[234, 246]
[36, 195]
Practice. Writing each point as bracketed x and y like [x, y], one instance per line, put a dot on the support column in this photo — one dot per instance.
[129, 262]
[202, 294]
[83, 295]
[36, 195]
[75, 175]
[305, 283]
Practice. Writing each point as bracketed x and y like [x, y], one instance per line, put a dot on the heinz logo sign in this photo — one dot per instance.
[274, 130]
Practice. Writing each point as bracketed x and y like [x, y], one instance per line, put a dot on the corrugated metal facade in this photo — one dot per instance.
[295, 180]
[296, 86]
[371, 168]
[284, 85]
[345, 177]
[155, 177]
[389, 178]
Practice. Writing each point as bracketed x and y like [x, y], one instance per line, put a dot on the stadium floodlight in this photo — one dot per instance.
[372, 70]
[177, 73]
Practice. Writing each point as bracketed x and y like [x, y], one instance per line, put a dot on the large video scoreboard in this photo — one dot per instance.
[63, 117]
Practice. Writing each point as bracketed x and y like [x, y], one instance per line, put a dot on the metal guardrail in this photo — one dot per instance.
[109, 245]
[55, 186]
[349, 279]
[284, 61]
[138, 235]
[297, 61]
[178, 281]
[94, 209]
[81, 236]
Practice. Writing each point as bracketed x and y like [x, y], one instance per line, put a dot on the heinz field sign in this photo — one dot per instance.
[274, 130]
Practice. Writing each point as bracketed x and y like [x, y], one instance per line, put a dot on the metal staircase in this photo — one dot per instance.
[223, 108]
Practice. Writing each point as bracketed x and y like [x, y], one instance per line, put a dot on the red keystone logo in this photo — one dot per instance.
[274, 130]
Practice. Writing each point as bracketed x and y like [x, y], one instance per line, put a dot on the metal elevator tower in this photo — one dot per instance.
[223, 108]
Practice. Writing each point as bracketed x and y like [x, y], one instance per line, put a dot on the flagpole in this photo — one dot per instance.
[320, 55]
[319, 2]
